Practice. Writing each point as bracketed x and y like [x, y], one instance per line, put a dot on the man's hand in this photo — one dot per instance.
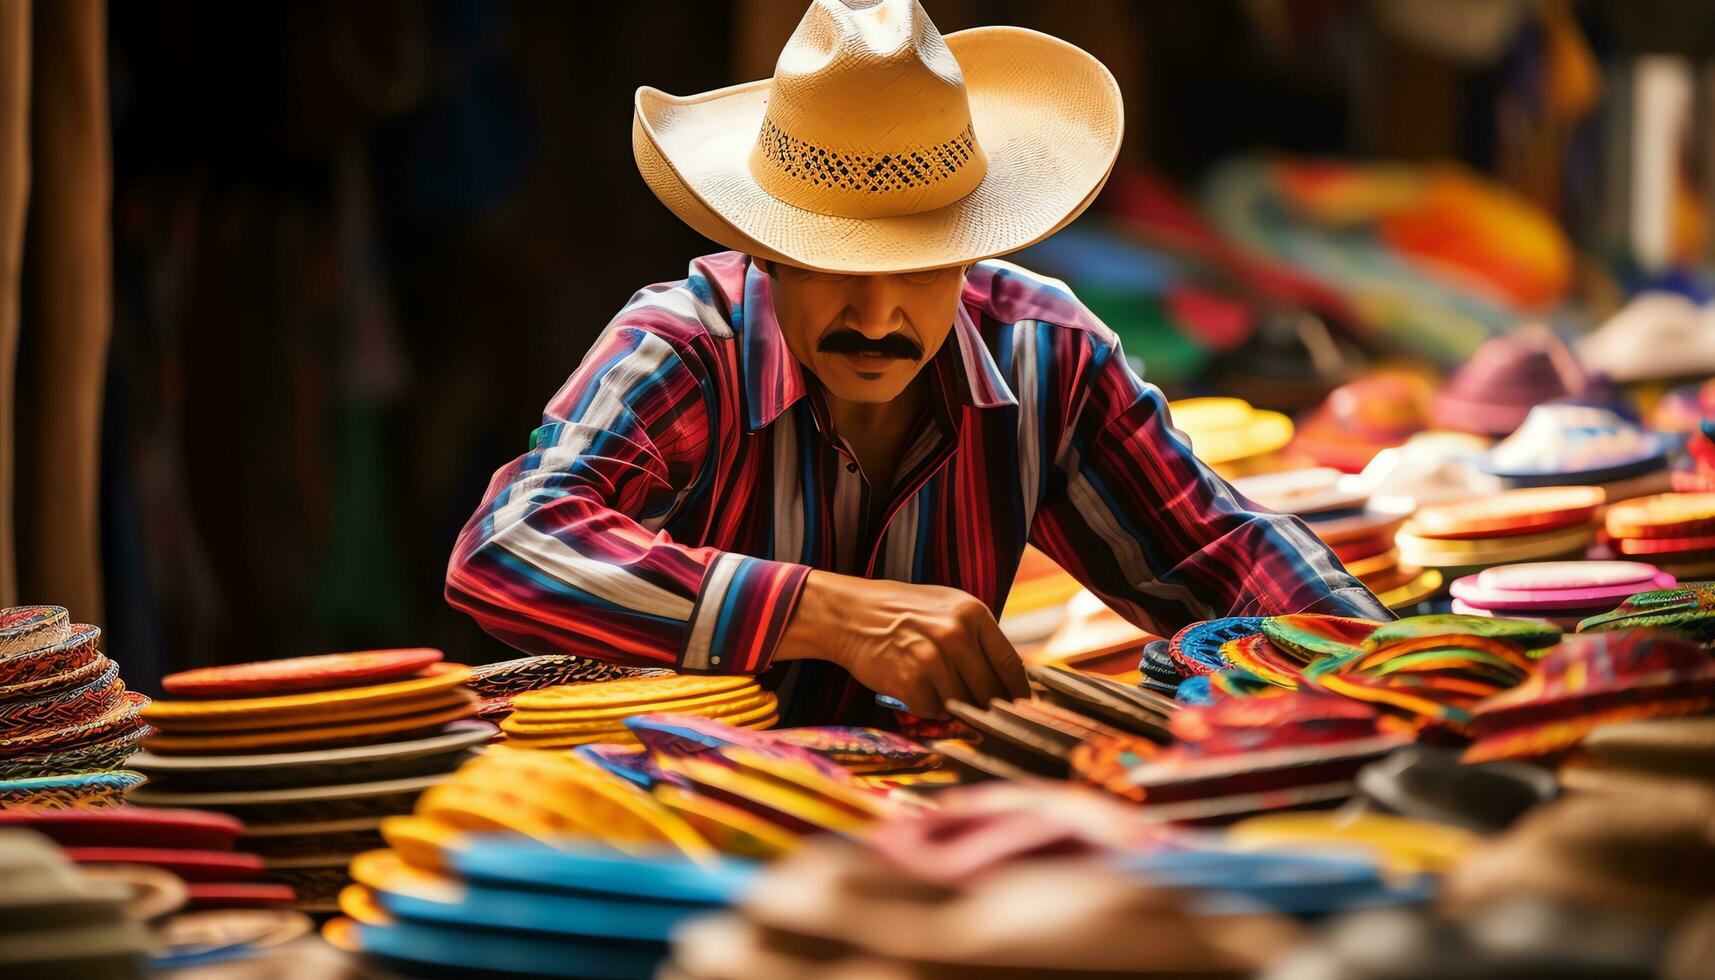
[923, 644]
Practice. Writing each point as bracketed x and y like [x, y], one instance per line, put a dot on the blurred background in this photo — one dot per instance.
[356, 247]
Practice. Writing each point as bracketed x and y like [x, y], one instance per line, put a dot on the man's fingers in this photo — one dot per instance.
[978, 672]
[949, 685]
[1003, 658]
[922, 701]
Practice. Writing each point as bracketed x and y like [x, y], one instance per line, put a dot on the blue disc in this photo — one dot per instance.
[523, 863]
[1292, 883]
[491, 951]
[1200, 643]
[587, 916]
[1194, 690]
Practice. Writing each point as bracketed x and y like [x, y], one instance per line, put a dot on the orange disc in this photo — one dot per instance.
[1530, 511]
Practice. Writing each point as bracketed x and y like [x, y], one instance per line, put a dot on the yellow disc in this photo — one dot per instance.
[766, 710]
[1413, 592]
[1222, 430]
[384, 871]
[861, 803]
[1491, 551]
[717, 706]
[1401, 844]
[774, 795]
[191, 743]
[435, 677]
[359, 903]
[619, 737]
[727, 827]
[746, 696]
[631, 691]
[341, 934]
[608, 807]
[421, 841]
[468, 808]
[325, 714]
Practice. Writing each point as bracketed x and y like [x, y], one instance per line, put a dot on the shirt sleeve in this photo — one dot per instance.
[1133, 515]
[565, 554]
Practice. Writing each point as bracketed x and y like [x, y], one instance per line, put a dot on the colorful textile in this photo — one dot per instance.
[1688, 610]
[1591, 680]
[683, 485]
[1253, 724]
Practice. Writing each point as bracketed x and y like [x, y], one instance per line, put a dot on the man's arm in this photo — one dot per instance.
[563, 555]
[1159, 536]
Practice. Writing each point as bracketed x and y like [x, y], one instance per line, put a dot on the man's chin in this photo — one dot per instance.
[851, 385]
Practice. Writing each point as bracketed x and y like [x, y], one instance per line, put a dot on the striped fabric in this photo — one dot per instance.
[684, 482]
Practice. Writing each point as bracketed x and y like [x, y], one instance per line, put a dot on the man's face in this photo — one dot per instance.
[865, 337]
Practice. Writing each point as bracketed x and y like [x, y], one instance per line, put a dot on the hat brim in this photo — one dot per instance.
[1048, 115]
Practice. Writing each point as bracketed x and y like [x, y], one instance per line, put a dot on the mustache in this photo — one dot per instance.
[852, 342]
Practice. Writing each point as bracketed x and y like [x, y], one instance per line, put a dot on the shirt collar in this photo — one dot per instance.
[965, 371]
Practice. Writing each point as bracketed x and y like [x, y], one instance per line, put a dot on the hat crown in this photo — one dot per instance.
[867, 115]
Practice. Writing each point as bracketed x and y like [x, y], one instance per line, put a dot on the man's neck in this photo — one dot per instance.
[872, 421]
[877, 431]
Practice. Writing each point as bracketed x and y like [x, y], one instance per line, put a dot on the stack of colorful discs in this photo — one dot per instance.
[1514, 526]
[1591, 680]
[198, 847]
[1156, 670]
[309, 702]
[67, 723]
[1189, 787]
[512, 906]
[1431, 671]
[315, 757]
[1673, 531]
[563, 717]
[498, 683]
[1232, 436]
[1562, 592]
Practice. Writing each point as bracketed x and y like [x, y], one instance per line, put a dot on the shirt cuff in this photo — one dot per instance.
[1356, 601]
[741, 610]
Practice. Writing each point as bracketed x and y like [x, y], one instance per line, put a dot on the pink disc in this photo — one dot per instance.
[1471, 592]
[1566, 575]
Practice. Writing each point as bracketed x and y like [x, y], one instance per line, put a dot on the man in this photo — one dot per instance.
[821, 455]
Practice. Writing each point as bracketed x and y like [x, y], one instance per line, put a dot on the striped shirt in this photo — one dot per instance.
[686, 479]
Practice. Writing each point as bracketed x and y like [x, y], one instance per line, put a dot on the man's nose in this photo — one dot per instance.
[874, 311]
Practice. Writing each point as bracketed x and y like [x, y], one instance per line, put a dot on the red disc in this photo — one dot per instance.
[188, 865]
[1665, 546]
[128, 826]
[238, 894]
[300, 673]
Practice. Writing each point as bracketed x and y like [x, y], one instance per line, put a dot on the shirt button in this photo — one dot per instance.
[851, 467]
[714, 660]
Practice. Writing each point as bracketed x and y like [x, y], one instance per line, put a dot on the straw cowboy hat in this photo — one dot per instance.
[880, 146]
